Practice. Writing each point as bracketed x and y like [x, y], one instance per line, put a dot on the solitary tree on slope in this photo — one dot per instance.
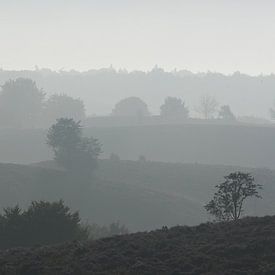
[228, 201]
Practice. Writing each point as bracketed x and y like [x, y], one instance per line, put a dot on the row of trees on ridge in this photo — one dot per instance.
[174, 107]
[24, 105]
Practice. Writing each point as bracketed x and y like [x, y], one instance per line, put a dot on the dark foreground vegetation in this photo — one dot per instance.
[49, 223]
[41, 224]
[242, 247]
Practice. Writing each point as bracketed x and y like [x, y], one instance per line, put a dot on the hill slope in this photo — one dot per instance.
[103, 200]
[141, 195]
[245, 247]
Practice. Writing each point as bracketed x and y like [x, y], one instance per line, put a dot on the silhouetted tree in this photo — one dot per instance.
[71, 149]
[11, 227]
[21, 104]
[42, 223]
[54, 222]
[131, 106]
[174, 107]
[207, 106]
[225, 113]
[227, 203]
[58, 106]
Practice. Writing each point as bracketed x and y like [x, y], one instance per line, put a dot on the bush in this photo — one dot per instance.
[41, 224]
[71, 150]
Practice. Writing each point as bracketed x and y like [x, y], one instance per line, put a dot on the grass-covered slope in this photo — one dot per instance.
[21, 183]
[245, 247]
[103, 200]
[141, 195]
[194, 182]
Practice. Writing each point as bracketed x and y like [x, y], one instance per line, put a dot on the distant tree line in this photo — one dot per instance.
[24, 105]
[105, 84]
[174, 108]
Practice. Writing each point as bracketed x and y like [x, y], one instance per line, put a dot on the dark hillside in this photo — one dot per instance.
[245, 247]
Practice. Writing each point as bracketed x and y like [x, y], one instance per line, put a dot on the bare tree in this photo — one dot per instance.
[227, 203]
[207, 106]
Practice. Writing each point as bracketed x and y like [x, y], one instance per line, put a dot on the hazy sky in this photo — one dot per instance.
[198, 35]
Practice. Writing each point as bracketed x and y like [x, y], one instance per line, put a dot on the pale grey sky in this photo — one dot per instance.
[198, 35]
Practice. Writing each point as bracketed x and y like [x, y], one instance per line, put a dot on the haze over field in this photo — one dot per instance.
[122, 116]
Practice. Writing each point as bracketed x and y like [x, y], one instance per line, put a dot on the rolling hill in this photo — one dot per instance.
[143, 195]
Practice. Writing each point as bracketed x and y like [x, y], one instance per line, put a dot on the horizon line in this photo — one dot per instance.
[118, 70]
